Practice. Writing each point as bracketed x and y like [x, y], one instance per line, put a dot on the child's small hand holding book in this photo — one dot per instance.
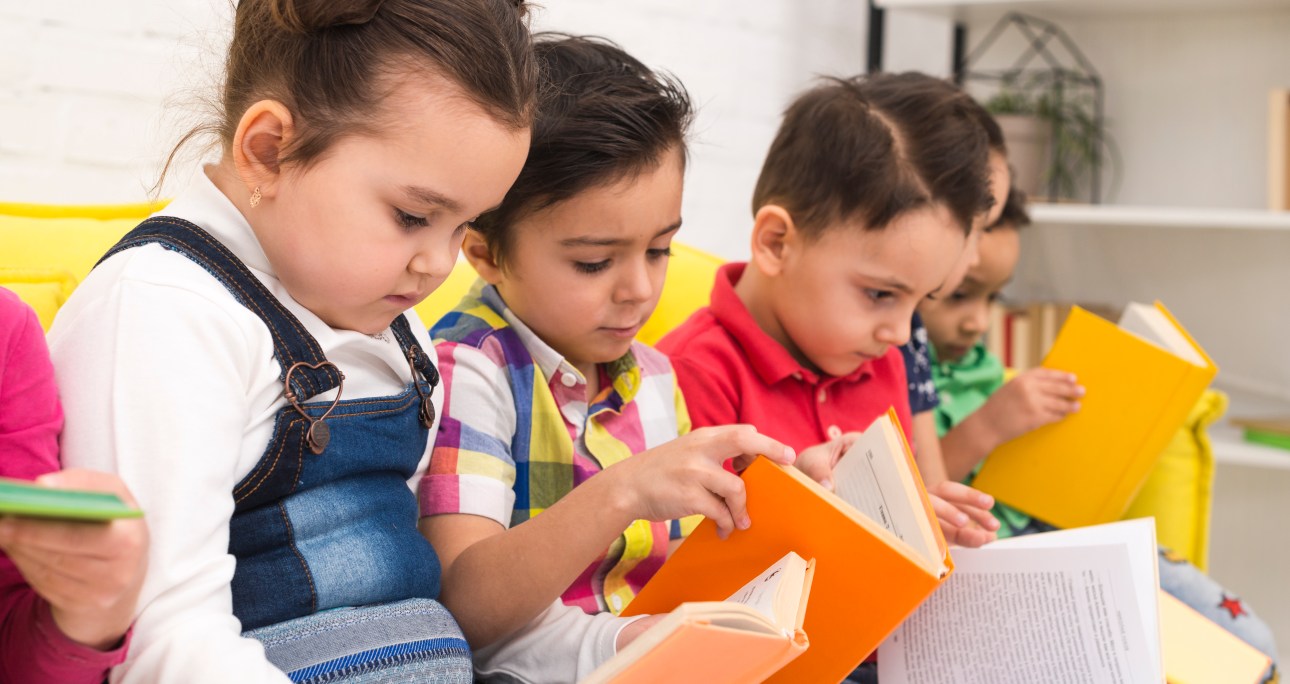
[68, 542]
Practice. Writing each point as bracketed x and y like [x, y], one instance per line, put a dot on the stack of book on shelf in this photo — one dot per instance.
[1020, 335]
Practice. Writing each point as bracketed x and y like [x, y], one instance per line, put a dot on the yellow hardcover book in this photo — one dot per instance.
[1197, 651]
[745, 638]
[879, 549]
[1142, 378]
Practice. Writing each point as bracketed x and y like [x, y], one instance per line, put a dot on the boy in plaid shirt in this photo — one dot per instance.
[551, 407]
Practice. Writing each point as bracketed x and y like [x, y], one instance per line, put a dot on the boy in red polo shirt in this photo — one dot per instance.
[862, 209]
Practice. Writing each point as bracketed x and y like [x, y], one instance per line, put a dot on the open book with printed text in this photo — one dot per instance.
[1068, 606]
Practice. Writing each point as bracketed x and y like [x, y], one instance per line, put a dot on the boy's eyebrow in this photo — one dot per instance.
[893, 284]
[592, 241]
[428, 196]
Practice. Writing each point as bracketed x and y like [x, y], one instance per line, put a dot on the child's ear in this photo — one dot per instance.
[774, 233]
[260, 142]
[481, 257]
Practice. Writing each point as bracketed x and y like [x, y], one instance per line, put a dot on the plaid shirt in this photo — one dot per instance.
[517, 434]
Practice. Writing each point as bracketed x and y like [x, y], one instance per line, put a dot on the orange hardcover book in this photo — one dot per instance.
[877, 544]
[745, 638]
[1142, 377]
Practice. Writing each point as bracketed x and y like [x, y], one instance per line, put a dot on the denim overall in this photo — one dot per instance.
[325, 519]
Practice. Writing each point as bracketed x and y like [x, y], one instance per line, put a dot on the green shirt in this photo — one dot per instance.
[964, 386]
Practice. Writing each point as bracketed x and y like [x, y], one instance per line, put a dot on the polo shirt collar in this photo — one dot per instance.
[771, 361]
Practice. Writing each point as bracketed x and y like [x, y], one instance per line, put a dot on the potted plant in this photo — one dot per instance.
[1052, 130]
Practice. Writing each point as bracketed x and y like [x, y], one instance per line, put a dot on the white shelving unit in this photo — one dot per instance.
[1231, 450]
[1159, 217]
[971, 9]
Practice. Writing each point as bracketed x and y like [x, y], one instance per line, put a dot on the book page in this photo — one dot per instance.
[1148, 323]
[868, 477]
[760, 593]
[1139, 536]
[1062, 616]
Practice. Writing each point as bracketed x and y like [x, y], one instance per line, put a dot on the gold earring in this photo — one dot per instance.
[255, 197]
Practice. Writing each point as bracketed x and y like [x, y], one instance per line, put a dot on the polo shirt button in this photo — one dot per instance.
[617, 602]
[568, 379]
[797, 376]
[834, 432]
[822, 395]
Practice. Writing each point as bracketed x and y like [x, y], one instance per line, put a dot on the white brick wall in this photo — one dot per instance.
[93, 94]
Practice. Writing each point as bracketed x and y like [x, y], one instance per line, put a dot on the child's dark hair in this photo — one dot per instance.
[324, 60]
[1014, 210]
[874, 147]
[602, 116]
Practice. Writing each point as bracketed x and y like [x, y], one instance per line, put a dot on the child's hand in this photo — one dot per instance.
[817, 462]
[685, 476]
[90, 573]
[1031, 400]
[964, 513]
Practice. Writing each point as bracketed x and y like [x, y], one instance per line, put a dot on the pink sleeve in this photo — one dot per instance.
[32, 649]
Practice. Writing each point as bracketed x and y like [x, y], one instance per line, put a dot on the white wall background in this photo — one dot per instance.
[93, 94]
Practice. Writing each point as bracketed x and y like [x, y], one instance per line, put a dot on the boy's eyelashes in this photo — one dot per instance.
[590, 267]
[879, 295]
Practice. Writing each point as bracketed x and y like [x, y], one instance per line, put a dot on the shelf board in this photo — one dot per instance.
[1077, 215]
[1231, 450]
[973, 9]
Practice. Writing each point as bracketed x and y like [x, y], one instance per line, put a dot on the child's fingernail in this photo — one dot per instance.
[1072, 378]
[985, 501]
[1079, 391]
[827, 484]
[50, 480]
[745, 522]
[790, 454]
[1074, 406]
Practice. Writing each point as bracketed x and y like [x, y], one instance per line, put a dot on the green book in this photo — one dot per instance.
[1267, 438]
[24, 499]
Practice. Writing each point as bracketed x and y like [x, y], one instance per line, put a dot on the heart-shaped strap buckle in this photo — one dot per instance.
[318, 436]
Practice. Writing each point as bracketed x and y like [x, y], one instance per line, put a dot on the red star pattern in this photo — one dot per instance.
[1233, 605]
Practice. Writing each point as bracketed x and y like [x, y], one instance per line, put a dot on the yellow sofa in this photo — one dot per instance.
[46, 250]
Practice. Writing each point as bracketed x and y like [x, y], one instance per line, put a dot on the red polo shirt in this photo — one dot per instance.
[731, 371]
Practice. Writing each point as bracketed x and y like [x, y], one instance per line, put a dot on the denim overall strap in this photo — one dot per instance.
[292, 344]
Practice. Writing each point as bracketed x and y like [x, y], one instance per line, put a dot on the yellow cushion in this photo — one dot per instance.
[46, 250]
[1179, 490]
[44, 290]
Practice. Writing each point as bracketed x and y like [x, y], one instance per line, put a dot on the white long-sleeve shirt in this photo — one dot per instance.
[167, 380]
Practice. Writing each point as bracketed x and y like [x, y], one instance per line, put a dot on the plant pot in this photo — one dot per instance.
[1030, 143]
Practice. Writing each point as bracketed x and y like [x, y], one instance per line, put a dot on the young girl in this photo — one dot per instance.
[980, 411]
[551, 407]
[67, 590]
[245, 362]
